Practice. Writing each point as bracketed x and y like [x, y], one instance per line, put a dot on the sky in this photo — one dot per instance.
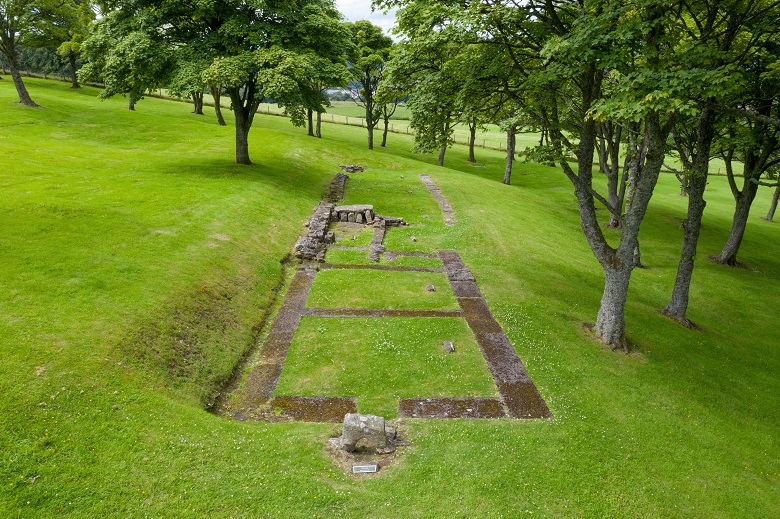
[354, 10]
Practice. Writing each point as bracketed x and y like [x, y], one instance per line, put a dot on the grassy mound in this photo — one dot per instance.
[138, 262]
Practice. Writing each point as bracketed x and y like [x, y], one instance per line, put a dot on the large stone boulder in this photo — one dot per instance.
[366, 427]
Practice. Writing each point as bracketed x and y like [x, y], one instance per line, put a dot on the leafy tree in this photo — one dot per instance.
[254, 50]
[188, 81]
[388, 99]
[26, 23]
[721, 37]
[367, 61]
[72, 36]
[331, 41]
[429, 65]
[754, 143]
[125, 57]
[328, 72]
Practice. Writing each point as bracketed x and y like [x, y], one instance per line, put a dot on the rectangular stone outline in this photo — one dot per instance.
[519, 394]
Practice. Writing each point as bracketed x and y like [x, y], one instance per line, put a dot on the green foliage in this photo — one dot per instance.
[36, 23]
[367, 58]
[76, 30]
[124, 57]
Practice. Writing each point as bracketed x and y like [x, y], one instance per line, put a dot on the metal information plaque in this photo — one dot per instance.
[368, 467]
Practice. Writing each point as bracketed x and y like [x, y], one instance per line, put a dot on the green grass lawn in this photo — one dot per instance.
[381, 289]
[380, 360]
[137, 261]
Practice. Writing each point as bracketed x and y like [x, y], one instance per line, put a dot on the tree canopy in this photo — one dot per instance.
[255, 50]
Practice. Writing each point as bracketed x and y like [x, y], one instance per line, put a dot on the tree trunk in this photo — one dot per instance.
[242, 140]
[728, 256]
[130, 102]
[510, 156]
[610, 324]
[24, 96]
[243, 118]
[245, 102]
[384, 133]
[216, 93]
[197, 102]
[310, 121]
[637, 258]
[74, 81]
[318, 128]
[770, 216]
[678, 305]
[617, 264]
[370, 127]
[472, 139]
[616, 192]
[443, 148]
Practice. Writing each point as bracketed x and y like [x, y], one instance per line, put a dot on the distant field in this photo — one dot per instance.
[138, 262]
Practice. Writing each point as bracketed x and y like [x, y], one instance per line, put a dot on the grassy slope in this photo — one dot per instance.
[112, 218]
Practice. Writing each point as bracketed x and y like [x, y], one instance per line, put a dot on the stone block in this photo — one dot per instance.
[355, 208]
[365, 427]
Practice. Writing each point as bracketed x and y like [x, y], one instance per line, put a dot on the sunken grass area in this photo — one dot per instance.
[358, 288]
[360, 257]
[380, 360]
[124, 233]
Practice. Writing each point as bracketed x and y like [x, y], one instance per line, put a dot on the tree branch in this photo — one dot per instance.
[744, 112]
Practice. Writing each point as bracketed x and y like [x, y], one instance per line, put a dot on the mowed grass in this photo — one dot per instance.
[95, 422]
[380, 360]
[359, 288]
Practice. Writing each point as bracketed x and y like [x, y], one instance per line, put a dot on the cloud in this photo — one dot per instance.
[354, 10]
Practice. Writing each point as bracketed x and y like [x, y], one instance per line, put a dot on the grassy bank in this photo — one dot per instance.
[124, 233]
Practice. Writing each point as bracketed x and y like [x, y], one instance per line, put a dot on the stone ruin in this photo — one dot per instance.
[314, 243]
[352, 169]
[366, 432]
[354, 213]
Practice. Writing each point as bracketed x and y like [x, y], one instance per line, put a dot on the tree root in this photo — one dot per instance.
[729, 262]
[621, 344]
[680, 319]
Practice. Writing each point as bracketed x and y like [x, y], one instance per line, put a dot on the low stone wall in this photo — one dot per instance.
[314, 244]
[336, 188]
